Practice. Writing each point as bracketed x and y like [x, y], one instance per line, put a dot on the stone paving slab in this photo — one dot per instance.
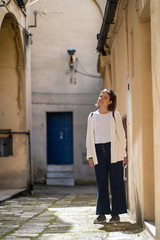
[63, 214]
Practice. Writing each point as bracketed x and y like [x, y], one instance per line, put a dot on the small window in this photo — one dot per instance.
[6, 149]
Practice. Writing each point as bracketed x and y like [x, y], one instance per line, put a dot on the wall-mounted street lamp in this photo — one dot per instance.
[71, 52]
[74, 65]
[72, 59]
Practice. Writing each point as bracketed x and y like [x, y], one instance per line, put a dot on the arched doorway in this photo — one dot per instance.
[13, 147]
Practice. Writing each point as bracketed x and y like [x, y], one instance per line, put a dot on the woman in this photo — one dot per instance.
[106, 144]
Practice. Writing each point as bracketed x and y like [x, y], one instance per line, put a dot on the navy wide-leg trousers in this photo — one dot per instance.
[113, 173]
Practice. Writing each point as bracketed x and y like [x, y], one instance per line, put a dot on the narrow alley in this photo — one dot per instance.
[62, 213]
[56, 57]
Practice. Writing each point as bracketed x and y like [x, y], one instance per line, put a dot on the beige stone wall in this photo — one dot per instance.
[155, 47]
[130, 62]
[141, 129]
[15, 96]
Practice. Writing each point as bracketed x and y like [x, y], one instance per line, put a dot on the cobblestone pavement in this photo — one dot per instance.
[62, 213]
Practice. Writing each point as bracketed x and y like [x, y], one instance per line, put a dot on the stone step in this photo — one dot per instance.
[60, 168]
[61, 181]
[60, 175]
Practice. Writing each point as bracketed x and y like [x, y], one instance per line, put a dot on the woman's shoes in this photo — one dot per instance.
[114, 219]
[100, 219]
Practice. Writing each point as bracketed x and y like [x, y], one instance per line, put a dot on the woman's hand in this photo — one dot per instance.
[125, 160]
[91, 163]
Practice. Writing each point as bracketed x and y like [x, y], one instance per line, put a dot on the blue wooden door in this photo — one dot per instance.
[59, 138]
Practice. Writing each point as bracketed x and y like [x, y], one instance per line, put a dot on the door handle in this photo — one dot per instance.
[61, 135]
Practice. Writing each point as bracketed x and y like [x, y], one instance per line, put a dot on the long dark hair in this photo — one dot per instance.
[113, 98]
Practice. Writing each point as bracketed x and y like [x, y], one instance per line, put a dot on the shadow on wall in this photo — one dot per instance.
[138, 209]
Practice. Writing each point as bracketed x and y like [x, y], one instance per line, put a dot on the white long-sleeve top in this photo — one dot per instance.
[102, 127]
[118, 139]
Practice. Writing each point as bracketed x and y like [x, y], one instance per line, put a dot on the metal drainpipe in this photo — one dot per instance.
[8, 131]
[30, 163]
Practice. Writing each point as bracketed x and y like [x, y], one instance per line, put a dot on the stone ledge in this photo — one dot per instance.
[150, 226]
[7, 194]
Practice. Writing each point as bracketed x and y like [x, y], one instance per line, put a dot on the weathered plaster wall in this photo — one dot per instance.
[74, 25]
[130, 62]
[155, 46]
[14, 98]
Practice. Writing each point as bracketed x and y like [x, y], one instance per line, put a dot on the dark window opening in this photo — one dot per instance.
[6, 146]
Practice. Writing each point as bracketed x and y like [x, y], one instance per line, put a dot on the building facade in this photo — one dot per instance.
[131, 68]
[65, 87]
[15, 97]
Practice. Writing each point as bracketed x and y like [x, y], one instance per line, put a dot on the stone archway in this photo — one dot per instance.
[13, 173]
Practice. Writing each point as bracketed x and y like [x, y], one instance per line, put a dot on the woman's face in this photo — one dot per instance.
[104, 99]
